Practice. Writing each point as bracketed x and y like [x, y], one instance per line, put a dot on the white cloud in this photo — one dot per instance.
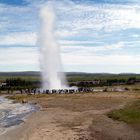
[18, 39]
[19, 56]
[135, 35]
[30, 55]
[72, 19]
[122, 60]
[90, 50]
[76, 42]
[116, 46]
[18, 18]
[60, 33]
[19, 26]
[98, 17]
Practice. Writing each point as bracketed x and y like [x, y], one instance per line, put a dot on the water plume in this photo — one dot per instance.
[50, 60]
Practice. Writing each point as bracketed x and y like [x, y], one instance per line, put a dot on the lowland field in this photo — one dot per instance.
[71, 76]
[107, 115]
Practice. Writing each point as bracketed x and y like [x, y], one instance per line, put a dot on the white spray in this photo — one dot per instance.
[52, 75]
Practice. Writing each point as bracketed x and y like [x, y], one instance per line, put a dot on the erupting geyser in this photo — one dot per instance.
[52, 75]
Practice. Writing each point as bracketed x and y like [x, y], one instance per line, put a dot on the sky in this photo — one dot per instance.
[94, 35]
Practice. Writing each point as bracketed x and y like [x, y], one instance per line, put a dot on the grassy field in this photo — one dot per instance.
[129, 114]
[72, 77]
[102, 77]
[28, 78]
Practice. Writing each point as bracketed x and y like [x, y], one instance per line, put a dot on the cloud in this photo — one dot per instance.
[72, 19]
[23, 55]
[19, 56]
[19, 39]
[90, 50]
[116, 46]
[135, 35]
[88, 33]
[118, 60]
[101, 17]
[17, 18]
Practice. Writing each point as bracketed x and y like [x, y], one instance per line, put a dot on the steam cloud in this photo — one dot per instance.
[52, 75]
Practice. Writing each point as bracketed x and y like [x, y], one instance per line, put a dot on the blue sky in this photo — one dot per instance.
[94, 35]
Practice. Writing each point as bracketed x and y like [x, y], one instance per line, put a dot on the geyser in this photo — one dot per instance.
[50, 60]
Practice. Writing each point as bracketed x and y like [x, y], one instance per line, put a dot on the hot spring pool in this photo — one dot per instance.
[12, 114]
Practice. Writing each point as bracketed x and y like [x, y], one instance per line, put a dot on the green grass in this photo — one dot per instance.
[30, 78]
[76, 77]
[129, 114]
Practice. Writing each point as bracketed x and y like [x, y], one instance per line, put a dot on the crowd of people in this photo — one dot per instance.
[54, 91]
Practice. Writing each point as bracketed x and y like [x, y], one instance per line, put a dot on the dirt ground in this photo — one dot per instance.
[77, 117]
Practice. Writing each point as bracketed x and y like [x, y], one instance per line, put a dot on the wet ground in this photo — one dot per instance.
[13, 114]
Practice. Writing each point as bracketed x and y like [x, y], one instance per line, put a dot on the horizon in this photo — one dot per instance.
[95, 36]
[71, 72]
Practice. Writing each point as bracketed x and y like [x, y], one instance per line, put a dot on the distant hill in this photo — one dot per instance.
[71, 76]
[26, 73]
[37, 73]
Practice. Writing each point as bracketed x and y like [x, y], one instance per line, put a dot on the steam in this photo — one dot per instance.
[52, 75]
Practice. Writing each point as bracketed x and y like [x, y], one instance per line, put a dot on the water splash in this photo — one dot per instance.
[52, 75]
